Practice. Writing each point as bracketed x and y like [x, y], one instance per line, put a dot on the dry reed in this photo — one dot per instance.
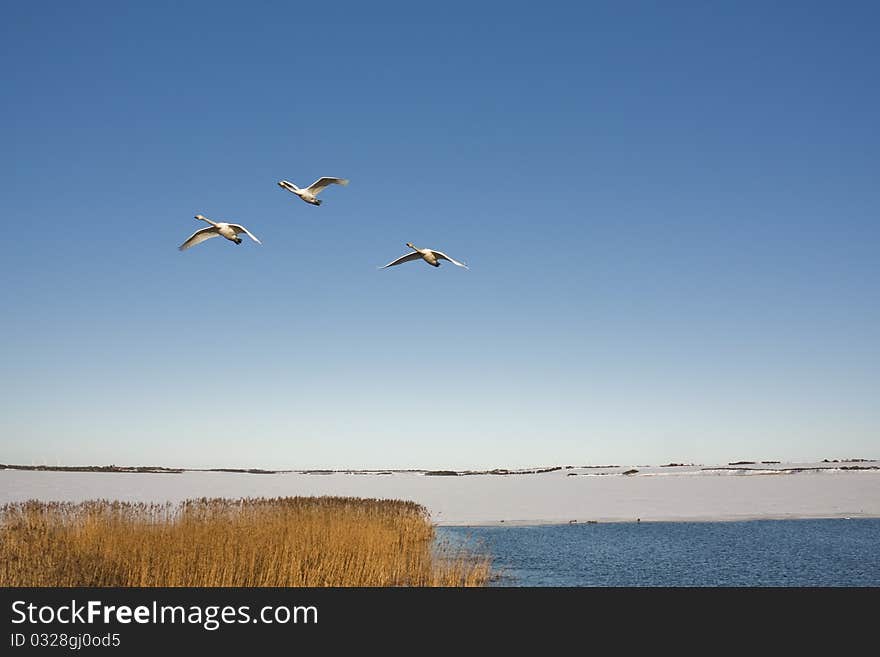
[288, 541]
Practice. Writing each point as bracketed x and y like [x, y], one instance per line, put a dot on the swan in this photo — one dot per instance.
[431, 256]
[229, 231]
[310, 194]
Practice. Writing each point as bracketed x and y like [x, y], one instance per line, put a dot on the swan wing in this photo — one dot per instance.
[321, 183]
[404, 258]
[238, 228]
[442, 255]
[198, 237]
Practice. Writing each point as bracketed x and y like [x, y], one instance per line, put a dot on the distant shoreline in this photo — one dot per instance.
[150, 469]
[555, 495]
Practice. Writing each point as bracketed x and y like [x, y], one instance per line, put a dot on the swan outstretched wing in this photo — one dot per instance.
[404, 258]
[238, 228]
[198, 237]
[442, 255]
[321, 183]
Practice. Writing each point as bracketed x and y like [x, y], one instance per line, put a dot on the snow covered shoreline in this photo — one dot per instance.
[674, 492]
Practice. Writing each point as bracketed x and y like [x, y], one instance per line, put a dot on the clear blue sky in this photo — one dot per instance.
[670, 211]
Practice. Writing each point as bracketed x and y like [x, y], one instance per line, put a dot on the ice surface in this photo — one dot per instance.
[699, 492]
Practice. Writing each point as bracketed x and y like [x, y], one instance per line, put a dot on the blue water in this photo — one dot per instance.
[754, 553]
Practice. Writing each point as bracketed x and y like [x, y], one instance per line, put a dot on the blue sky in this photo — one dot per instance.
[670, 211]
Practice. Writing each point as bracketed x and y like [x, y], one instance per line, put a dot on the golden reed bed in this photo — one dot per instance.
[287, 541]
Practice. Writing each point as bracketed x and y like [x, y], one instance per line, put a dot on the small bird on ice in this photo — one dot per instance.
[310, 194]
[431, 256]
[229, 231]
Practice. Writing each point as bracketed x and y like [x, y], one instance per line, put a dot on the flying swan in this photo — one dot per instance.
[431, 256]
[229, 231]
[310, 194]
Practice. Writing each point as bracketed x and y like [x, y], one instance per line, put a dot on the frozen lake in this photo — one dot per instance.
[654, 493]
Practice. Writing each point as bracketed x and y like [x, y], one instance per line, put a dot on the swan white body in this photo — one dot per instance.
[431, 256]
[310, 194]
[221, 229]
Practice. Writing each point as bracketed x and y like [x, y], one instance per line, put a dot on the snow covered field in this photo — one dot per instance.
[603, 494]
